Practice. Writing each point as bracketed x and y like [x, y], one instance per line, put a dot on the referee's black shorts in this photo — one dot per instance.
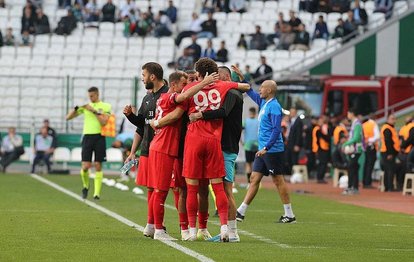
[93, 143]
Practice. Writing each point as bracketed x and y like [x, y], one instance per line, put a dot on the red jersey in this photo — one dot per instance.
[209, 98]
[167, 138]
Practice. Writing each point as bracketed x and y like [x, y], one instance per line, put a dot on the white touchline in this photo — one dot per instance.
[122, 219]
[243, 232]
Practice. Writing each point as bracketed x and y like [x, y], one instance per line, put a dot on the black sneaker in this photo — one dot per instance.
[239, 217]
[84, 193]
[286, 220]
[96, 197]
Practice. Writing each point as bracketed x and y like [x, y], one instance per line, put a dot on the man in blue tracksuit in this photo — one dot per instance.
[269, 159]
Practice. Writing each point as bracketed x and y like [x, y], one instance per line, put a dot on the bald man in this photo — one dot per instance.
[269, 159]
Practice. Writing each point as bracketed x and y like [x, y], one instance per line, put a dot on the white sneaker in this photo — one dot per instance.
[149, 231]
[192, 235]
[203, 234]
[235, 191]
[160, 234]
[137, 191]
[224, 234]
[234, 237]
[185, 234]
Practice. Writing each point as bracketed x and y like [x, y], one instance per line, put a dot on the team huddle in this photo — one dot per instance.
[184, 147]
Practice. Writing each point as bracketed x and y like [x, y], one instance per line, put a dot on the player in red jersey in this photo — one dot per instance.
[164, 146]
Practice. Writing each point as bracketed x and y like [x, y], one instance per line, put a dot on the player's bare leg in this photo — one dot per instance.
[255, 179]
[281, 186]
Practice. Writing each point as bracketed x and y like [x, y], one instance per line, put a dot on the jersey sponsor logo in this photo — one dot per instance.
[271, 171]
[212, 99]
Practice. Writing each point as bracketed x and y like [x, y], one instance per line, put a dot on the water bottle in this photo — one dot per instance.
[125, 168]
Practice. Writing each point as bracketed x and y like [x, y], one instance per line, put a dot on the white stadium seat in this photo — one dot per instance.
[114, 155]
[76, 154]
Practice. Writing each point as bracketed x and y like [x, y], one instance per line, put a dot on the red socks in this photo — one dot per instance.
[183, 221]
[222, 202]
[192, 204]
[158, 205]
[202, 220]
[176, 197]
[150, 205]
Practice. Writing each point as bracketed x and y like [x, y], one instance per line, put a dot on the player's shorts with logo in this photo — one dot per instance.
[269, 164]
[161, 167]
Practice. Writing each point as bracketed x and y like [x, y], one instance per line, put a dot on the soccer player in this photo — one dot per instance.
[96, 115]
[231, 111]
[164, 146]
[269, 158]
[152, 77]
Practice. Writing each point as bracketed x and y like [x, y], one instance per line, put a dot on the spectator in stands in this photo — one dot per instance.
[308, 5]
[321, 29]
[271, 38]
[263, 72]
[323, 6]
[208, 27]
[1, 39]
[301, 41]
[194, 27]
[126, 8]
[214, 6]
[360, 15]
[339, 29]
[29, 5]
[77, 11]
[28, 21]
[11, 148]
[242, 42]
[171, 12]
[294, 21]
[43, 149]
[108, 12]
[286, 37]
[209, 51]
[222, 53]
[194, 48]
[258, 40]
[127, 26]
[237, 6]
[26, 39]
[143, 25]
[9, 39]
[92, 11]
[186, 61]
[340, 6]
[150, 13]
[350, 25]
[42, 23]
[384, 6]
[66, 24]
[247, 75]
[2, 4]
[163, 26]
[51, 132]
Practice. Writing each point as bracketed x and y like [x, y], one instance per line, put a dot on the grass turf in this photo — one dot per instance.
[39, 223]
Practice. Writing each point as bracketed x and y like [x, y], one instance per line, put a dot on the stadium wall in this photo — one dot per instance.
[389, 51]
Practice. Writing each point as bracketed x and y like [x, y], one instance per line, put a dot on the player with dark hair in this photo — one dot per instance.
[96, 115]
[152, 77]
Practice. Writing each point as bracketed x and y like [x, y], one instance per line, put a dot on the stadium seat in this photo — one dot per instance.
[28, 154]
[8, 51]
[62, 154]
[114, 155]
[400, 7]
[76, 154]
[406, 189]
[337, 172]
[301, 169]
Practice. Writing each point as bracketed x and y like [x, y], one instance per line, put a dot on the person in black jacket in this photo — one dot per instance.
[66, 24]
[390, 146]
[263, 72]
[301, 41]
[208, 27]
[42, 23]
[360, 15]
[28, 21]
[294, 141]
[108, 12]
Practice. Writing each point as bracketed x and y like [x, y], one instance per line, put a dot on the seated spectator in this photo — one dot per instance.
[186, 61]
[308, 5]
[126, 8]
[263, 72]
[242, 42]
[209, 51]
[294, 21]
[28, 21]
[321, 29]
[66, 24]
[77, 12]
[143, 25]
[50, 131]
[350, 24]
[323, 6]
[11, 148]
[2, 4]
[92, 11]
[360, 15]
[301, 41]
[213, 6]
[340, 6]
[171, 12]
[43, 148]
[272, 39]
[108, 12]
[194, 48]
[339, 29]
[26, 39]
[208, 27]
[258, 40]
[237, 6]
[247, 75]
[163, 26]
[194, 27]
[286, 37]
[42, 23]
[9, 39]
[222, 53]
[384, 6]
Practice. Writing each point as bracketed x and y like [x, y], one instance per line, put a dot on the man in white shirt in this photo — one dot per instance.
[43, 149]
[11, 148]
